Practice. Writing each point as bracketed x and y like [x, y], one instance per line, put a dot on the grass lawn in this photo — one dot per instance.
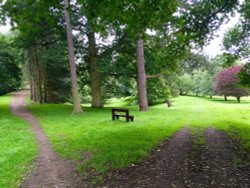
[18, 146]
[115, 144]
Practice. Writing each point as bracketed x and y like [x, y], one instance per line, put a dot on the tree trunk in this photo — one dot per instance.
[142, 85]
[225, 97]
[38, 75]
[34, 74]
[238, 99]
[94, 72]
[211, 96]
[75, 94]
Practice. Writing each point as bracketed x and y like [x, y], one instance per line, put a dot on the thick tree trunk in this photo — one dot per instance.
[211, 96]
[94, 72]
[225, 97]
[75, 94]
[142, 85]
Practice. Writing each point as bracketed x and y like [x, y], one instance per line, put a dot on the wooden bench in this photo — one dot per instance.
[125, 114]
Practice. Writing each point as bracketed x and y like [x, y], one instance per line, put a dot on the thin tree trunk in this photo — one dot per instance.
[238, 99]
[75, 94]
[225, 97]
[38, 75]
[94, 72]
[142, 85]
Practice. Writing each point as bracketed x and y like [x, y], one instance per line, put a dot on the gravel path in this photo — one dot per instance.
[50, 171]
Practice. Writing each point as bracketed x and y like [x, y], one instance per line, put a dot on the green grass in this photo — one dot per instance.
[116, 144]
[17, 146]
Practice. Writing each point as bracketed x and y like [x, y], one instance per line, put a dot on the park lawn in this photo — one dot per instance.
[18, 146]
[108, 145]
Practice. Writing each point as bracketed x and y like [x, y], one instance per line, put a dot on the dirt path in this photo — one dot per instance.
[50, 171]
[176, 164]
[166, 167]
[219, 163]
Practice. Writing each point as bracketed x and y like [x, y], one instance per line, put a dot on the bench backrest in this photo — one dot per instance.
[120, 110]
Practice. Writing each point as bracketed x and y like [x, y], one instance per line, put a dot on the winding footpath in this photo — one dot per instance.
[49, 170]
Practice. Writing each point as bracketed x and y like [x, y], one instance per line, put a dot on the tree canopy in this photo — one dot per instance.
[227, 83]
[119, 47]
[10, 71]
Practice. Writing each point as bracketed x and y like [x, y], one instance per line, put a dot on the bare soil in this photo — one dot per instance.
[218, 162]
[50, 171]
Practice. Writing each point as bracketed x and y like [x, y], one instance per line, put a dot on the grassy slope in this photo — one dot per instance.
[116, 144]
[18, 146]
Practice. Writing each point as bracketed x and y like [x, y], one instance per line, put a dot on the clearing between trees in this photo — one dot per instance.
[110, 153]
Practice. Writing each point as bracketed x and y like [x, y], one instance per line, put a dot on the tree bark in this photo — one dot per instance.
[225, 97]
[75, 95]
[142, 85]
[95, 76]
[238, 99]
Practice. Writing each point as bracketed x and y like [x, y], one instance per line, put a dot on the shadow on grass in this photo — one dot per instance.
[230, 100]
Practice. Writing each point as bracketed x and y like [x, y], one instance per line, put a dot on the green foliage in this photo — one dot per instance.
[18, 147]
[197, 74]
[197, 78]
[244, 76]
[157, 90]
[178, 27]
[202, 18]
[10, 73]
[207, 81]
[57, 72]
[194, 62]
[185, 84]
[236, 39]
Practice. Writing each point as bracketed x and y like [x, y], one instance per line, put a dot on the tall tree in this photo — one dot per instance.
[41, 35]
[181, 22]
[75, 94]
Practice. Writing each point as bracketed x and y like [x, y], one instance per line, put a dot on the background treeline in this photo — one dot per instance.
[112, 40]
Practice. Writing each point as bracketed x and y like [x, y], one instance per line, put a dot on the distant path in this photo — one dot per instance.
[50, 171]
